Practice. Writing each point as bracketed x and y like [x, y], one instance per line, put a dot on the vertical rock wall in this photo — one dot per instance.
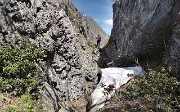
[144, 29]
[56, 28]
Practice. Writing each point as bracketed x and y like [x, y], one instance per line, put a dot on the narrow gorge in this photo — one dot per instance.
[71, 66]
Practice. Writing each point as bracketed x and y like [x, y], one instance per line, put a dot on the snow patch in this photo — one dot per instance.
[111, 80]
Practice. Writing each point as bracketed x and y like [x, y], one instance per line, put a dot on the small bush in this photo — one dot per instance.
[156, 91]
[26, 104]
[18, 70]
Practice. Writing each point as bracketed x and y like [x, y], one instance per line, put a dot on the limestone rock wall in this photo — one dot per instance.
[55, 26]
[172, 54]
[145, 29]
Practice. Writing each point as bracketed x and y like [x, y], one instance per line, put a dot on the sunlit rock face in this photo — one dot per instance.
[55, 27]
[111, 80]
[144, 29]
[94, 30]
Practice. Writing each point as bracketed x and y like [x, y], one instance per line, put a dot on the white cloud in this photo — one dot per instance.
[109, 22]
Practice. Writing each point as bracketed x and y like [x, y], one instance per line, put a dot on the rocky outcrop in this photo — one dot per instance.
[172, 53]
[171, 57]
[85, 24]
[145, 29]
[93, 30]
[56, 27]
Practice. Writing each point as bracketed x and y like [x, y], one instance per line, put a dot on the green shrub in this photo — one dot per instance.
[18, 70]
[26, 104]
[156, 91]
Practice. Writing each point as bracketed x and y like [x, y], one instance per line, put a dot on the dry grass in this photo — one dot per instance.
[6, 100]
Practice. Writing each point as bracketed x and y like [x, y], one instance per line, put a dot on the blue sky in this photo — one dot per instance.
[100, 10]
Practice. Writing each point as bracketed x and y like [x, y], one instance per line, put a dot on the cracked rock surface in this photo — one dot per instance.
[71, 66]
[146, 29]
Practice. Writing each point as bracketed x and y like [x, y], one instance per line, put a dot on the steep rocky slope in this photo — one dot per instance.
[59, 30]
[85, 24]
[146, 29]
[94, 30]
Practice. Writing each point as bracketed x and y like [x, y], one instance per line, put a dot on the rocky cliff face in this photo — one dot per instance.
[57, 28]
[146, 29]
[85, 24]
[94, 30]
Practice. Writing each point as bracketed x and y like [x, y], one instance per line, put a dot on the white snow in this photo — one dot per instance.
[111, 80]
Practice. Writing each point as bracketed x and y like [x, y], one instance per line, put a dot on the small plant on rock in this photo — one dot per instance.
[25, 103]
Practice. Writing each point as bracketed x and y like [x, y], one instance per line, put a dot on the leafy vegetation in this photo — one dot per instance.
[19, 72]
[156, 91]
[18, 67]
[26, 104]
